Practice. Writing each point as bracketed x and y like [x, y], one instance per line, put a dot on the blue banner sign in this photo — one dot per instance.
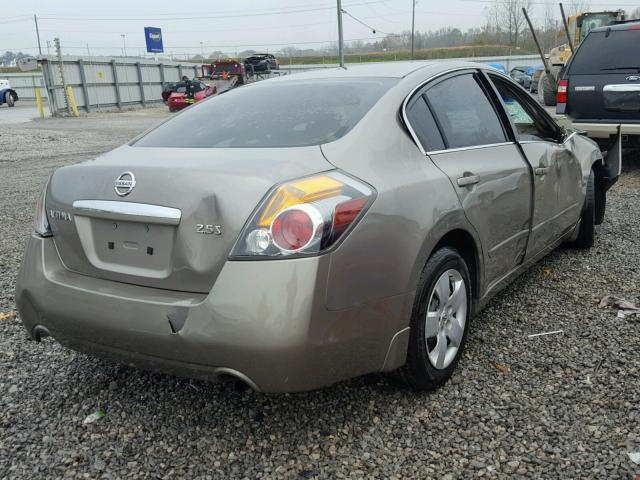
[153, 37]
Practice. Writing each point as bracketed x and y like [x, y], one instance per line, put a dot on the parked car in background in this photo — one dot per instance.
[188, 93]
[519, 75]
[261, 62]
[600, 88]
[294, 233]
[8, 95]
[500, 67]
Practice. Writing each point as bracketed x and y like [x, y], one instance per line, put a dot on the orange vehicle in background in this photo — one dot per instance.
[226, 69]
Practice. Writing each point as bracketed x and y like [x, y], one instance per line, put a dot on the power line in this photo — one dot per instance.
[257, 10]
[15, 20]
[182, 47]
[374, 30]
[613, 5]
[203, 17]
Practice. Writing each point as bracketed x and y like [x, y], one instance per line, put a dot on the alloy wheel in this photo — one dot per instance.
[446, 318]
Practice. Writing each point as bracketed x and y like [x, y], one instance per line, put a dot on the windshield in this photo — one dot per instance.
[601, 53]
[595, 21]
[273, 114]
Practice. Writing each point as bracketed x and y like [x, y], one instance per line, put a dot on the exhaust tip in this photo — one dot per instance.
[239, 379]
[39, 332]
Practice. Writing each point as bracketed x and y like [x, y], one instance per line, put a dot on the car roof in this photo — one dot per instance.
[632, 25]
[384, 69]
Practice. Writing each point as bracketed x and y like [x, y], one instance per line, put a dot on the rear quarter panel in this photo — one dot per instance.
[415, 206]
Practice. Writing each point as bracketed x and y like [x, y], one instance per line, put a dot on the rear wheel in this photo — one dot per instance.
[439, 322]
[9, 100]
[586, 233]
[547, 90]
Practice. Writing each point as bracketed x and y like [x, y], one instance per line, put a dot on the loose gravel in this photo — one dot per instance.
[558, 406]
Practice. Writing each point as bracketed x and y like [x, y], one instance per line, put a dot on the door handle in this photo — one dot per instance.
[542, 170]
[468, 180]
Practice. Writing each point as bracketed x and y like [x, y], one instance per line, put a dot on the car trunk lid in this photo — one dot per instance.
[164, 217]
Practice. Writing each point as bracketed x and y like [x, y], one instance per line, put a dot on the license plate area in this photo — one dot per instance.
[622, 100]
[130, 248]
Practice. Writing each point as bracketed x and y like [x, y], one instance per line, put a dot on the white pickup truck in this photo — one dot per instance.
[7, 94]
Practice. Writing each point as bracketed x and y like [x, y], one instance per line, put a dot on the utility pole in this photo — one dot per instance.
[35, 19]
[48, 47]
[202, 50]
[340, 36]
[124, 46]
[56, 42]
[413, 28]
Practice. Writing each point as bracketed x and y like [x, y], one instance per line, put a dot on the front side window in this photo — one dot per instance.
[464, 113]
[529, 124]
[278, 113]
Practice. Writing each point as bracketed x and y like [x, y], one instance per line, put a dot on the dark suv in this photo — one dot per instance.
[600, 88]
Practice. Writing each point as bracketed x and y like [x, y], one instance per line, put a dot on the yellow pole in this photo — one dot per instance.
[72, 100]
[39, 102]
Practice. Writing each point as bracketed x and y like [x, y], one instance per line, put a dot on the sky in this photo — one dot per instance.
[204, 26]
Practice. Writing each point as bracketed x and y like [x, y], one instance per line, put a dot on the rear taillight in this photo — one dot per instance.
[41, 222]
[305, 216]
[563, 91]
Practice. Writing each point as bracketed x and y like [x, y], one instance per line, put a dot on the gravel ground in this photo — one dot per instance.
[559, 406]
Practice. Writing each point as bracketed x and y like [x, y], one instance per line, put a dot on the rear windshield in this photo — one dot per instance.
[600, 53]
[272, 114]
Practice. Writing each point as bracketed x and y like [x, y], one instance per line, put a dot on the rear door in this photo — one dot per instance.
[604, 77]
[463, 135]
[557, 171]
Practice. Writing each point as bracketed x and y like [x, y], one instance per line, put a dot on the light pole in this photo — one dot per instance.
[124, 45]
[413, 28]
[35, 19]
[340, 36]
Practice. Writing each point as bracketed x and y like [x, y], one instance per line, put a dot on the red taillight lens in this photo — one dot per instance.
[346, 213]
[293, 229]
[563, 91]
[304, 216]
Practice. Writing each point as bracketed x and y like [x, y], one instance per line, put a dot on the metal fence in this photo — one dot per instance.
[100, 83]
[104, 82]
[24, 84]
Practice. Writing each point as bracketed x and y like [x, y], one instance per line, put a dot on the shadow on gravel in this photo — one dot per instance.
[157, 398]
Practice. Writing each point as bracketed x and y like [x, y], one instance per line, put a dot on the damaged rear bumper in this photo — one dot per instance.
[263, 322]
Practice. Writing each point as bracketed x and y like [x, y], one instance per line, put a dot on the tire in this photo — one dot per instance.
[547, 90]
[601, 200]
[9, 100]
[429, 365]
[587, 227]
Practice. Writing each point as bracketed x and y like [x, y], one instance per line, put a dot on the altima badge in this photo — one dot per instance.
[125, 183]
[59, 215]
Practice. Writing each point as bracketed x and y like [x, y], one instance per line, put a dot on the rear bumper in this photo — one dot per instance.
[264, 322]
[600, 130]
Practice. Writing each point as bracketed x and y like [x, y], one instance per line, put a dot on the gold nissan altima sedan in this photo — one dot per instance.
[304, 230]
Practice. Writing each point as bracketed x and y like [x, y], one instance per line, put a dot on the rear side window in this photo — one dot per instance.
[464, 113]
[600, 53]
[424, 125]
[273, 114]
